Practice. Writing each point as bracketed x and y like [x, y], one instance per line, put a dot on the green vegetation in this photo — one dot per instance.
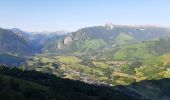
[149, 52]
[16, 84]
[93, 44]
[123, 39]
[95, 55]
[166, 74]
[152, 89]
[124, 65]
[166, 59]
[67, 59]
[139, 50]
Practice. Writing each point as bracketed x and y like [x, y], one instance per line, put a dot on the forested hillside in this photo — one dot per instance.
[16, 84]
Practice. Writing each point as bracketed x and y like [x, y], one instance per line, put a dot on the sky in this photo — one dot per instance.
[70, 15]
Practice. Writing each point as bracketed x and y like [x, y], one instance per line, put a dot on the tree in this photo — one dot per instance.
[91, 71]
[109, 75]
[126, 68]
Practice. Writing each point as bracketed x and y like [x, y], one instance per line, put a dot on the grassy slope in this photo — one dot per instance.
[123, 38]
[24, 83]
[67, 59]
[153, 89]
[31, 85]
[150, 52]
[93, 44]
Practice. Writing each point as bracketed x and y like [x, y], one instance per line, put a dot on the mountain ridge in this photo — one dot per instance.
[109, 34]
[14, 43]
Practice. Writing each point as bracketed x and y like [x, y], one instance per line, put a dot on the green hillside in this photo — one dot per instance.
[16, 84]
[93, 44]
[123, 39]
[150, 52]
[103, 36]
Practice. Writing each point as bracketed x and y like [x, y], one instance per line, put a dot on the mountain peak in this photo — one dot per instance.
[109, 25]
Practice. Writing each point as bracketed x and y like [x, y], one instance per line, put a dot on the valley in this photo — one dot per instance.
[99, 69]
[84, 50]
[99, 55]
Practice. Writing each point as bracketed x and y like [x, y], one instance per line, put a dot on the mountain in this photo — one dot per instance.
[19, 31]
[149, 51]
[100, 37]
[104, 56]
[39, 40]
[14, 43]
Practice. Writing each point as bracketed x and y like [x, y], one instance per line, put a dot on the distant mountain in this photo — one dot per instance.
[99, 37]
[14, 43]
[19, 31]
[39, 40]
